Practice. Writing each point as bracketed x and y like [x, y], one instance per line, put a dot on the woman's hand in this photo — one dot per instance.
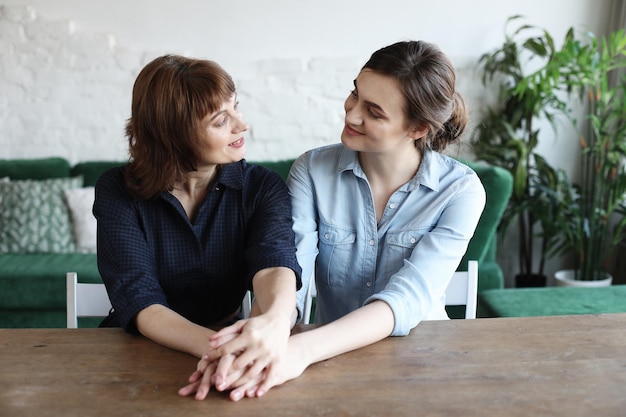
[258, 343]
[203, 377]
[285, 368]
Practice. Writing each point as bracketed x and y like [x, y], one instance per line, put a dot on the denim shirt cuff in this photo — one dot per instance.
[400, 327]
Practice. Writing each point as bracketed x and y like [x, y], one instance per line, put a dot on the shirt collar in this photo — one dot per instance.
[427, 174]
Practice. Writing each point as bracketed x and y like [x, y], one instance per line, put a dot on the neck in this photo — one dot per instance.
[198, 180]
[392, 171]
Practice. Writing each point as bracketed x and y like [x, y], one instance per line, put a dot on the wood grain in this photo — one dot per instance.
[537, 366]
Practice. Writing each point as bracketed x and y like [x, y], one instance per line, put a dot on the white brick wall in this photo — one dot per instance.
[68, 93]
[65, 86]
[63, 93]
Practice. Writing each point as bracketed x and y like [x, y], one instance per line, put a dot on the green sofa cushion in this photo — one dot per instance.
[553, 301]
[37, 281]
[34, 169]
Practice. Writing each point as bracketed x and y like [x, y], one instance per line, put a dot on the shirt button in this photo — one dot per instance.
[326, 236]
[413, 240]
[368, 284]
[393, 206]
[371, 242]
[217, 188]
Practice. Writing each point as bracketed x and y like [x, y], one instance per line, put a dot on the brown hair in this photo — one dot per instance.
[171, 96]
[426, 78]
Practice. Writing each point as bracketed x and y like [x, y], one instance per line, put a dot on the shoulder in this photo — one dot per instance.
[327, 158]
[111, 189]
[451, 166]
[452, 174]
[112, 178]
[323, 153]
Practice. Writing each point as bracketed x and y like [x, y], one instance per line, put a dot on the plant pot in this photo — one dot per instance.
[565, 278]
[532, 280]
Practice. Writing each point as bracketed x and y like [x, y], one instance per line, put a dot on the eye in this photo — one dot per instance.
[222, 122]
[354, 94]
[373, 114]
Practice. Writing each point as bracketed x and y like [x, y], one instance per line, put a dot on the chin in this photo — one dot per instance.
[349, 143]
[239, 155]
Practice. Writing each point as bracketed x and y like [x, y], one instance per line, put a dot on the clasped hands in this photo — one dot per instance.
[248, 357]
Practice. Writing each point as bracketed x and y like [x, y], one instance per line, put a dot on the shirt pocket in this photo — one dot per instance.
[399, 245]
[336, 249]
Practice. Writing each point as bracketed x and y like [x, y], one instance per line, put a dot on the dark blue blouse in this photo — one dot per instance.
[149, 252]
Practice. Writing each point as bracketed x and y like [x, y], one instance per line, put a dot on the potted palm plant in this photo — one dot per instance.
[592, 211]
[507, 136]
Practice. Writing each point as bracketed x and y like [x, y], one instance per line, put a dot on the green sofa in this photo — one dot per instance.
[32, 285]
[553, 301]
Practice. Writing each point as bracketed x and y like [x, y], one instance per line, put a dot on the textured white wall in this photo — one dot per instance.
[67, 66]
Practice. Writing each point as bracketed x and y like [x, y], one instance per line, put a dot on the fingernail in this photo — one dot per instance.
[260, 393]
[236, 395]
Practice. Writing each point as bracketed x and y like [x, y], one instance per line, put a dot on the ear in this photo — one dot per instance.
[418, 132]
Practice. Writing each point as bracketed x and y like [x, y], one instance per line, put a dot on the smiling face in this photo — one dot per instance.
[375, 116]
[224, 141]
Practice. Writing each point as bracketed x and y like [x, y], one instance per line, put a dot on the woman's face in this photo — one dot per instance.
[375, 116]
[224, 141]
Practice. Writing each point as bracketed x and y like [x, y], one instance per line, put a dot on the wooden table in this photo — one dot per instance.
[538, 366]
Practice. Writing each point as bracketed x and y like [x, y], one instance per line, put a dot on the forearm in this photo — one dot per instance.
[362, 327]
[275, 293]
[170, 329]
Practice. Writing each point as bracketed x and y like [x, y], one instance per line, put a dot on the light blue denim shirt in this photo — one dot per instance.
[406, 260]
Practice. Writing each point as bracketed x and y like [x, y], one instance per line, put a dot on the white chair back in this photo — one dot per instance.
[246, 304]
[463, 289]
[85, 300]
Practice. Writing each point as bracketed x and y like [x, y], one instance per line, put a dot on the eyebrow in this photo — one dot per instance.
[216, 115]
[370, 103]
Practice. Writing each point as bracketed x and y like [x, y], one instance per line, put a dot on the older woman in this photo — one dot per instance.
[187, 227]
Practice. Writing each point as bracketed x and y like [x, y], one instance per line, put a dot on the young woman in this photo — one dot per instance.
[384, 216]
[187, 227]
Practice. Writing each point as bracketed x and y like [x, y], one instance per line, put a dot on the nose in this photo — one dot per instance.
[240, 124]
[353, 113]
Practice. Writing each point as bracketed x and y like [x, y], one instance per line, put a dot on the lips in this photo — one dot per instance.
[351, 131]
[238, 143]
